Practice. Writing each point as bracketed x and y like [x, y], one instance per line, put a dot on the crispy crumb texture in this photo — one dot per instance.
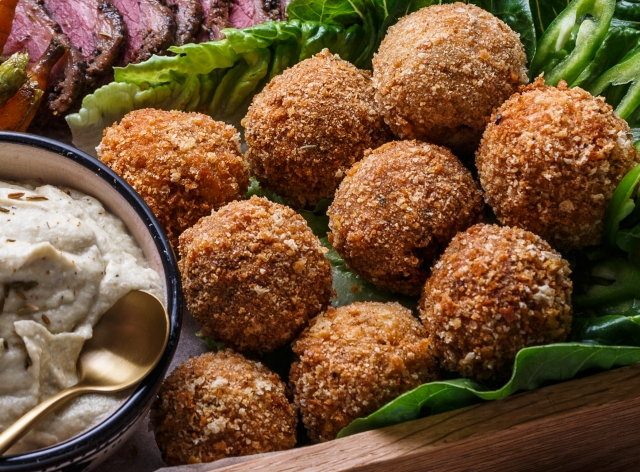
[253, 274]
[440, 71]
[494, 291]
[397, 210]
[354, 359]
[219, 405]
[309, 125]
[550, 160]
[182, 164]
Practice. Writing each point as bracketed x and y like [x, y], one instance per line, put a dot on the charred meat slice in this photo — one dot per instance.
[215, 18]
[188, 17]
[33, 30]
[95, 27]
[150, 27]
[245, 13]
[67, 81]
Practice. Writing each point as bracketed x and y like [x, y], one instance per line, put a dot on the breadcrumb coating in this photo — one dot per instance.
[397, 210]
[219, 405]
[440, 71]
[494, 291]
[550, 160]
[309, 125]
[253, 274]
[354, 359]
[182, 164]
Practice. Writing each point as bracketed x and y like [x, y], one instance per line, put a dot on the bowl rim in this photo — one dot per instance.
[98, 437]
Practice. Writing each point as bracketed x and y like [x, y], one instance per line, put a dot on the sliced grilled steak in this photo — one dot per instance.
[95, 27]
[188, 16]
[150, 27]
[245, 13]
[64, 88]
[216, 18]
[33, 30]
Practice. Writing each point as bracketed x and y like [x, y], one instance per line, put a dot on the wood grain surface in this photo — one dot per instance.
[589, 424]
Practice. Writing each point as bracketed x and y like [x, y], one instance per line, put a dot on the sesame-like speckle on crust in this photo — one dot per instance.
[309, 125]
[440, 71]
[550, 160]
[182, 164]
[494, 291]
[354, 359]
[253, 274]
[219, 405]
[397, 210]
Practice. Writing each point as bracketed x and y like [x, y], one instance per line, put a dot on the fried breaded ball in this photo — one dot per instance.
[397, 210]
[550, 160]
[253, 274]
[310, 125]
[440, 71]
[494, 291]
[354, 359]
[219, 405]
[182, 164]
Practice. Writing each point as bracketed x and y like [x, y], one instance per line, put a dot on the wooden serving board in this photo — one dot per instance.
[588, 424]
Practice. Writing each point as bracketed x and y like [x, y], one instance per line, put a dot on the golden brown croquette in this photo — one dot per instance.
[440, 71]
[182, 164]
[310, 125]
[494, 291]
[253, 273]
[397, 210]
[550, 160]
[219, 405]
[354, 359]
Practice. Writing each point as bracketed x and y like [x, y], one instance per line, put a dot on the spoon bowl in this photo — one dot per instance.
[126, 345]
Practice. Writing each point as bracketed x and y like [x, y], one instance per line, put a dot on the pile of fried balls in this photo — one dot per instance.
[393, 149]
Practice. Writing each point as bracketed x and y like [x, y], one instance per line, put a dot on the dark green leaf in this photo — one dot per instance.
[544, 12]
[620, 282]
[534, 366]
[610, 330]
[628, 239]
[627, 13]
[329, 12]
[630, 308]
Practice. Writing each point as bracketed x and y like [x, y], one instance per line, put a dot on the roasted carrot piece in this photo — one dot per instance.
[19, 110]
[20, 107]
[7, 12]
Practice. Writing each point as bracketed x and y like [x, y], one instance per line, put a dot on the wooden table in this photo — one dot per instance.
[589, 424]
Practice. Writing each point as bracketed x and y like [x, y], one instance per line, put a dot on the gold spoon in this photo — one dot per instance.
[127, 343]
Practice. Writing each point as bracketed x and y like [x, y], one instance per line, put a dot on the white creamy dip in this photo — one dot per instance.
[64, 260]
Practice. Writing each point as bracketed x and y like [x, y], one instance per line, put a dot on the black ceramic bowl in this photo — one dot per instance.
[25, 157]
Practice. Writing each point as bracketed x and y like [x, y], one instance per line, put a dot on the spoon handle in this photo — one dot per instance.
[31, 418]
